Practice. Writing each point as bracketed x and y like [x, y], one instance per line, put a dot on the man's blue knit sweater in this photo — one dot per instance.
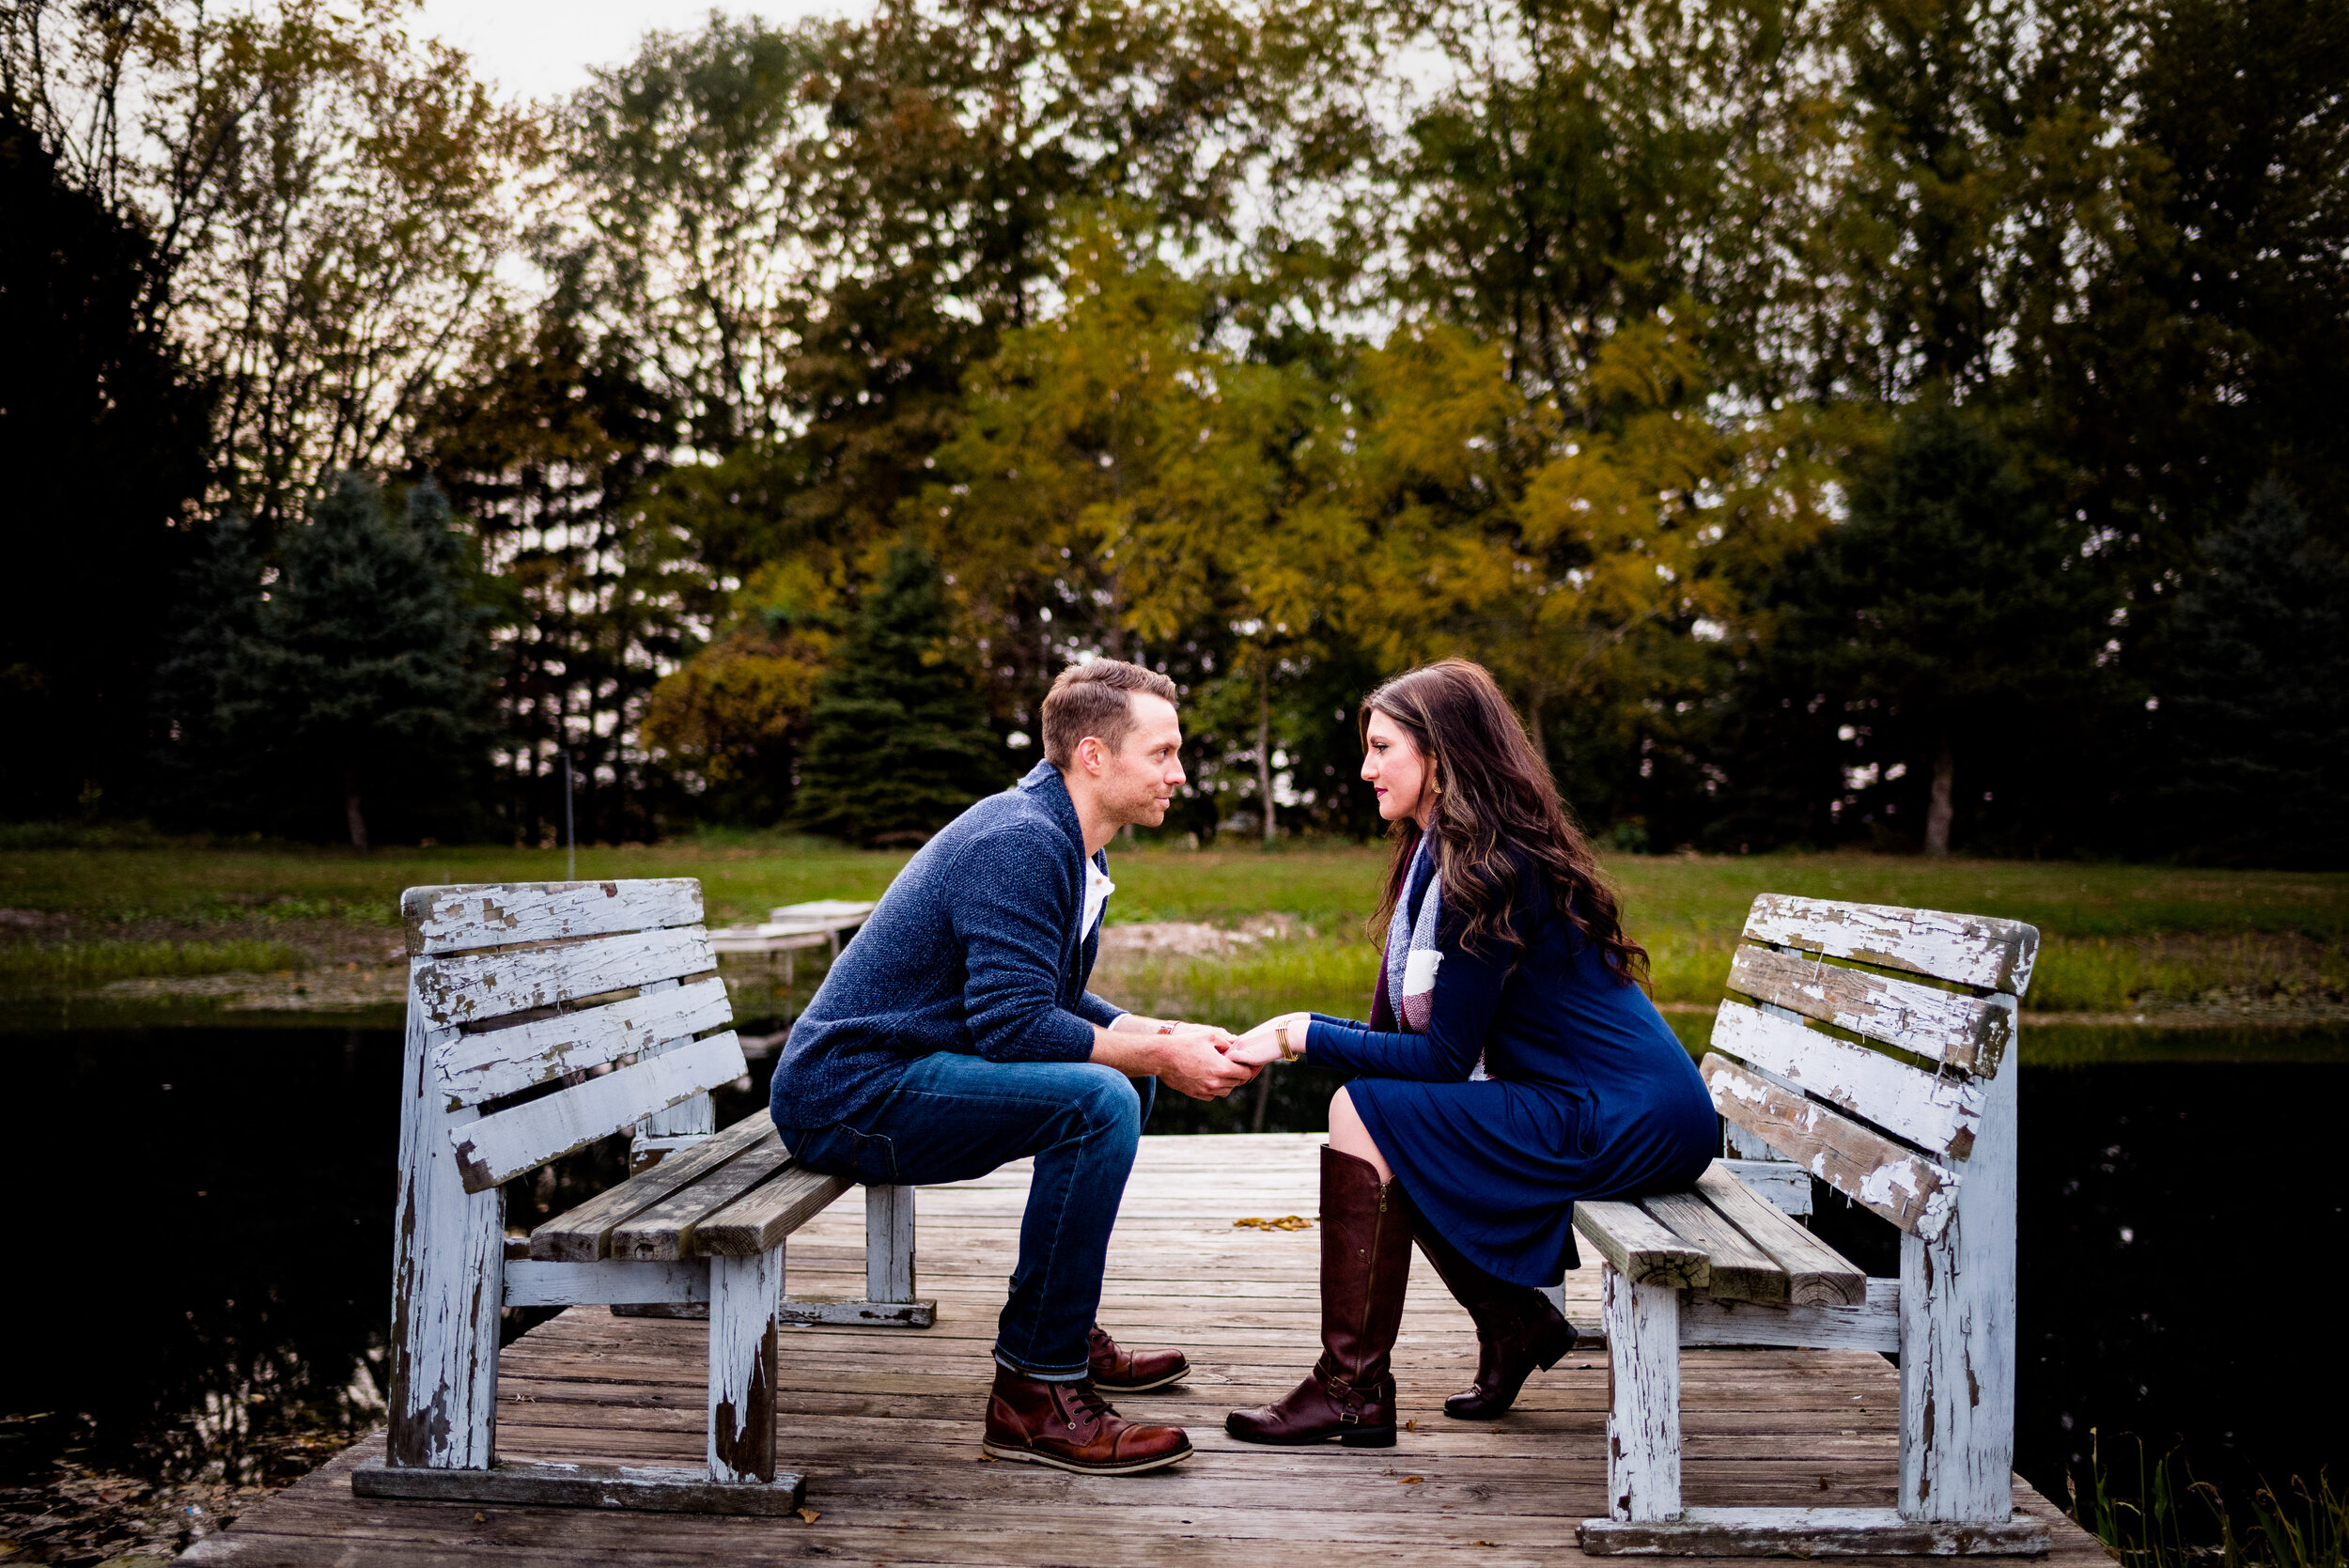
[973, 948]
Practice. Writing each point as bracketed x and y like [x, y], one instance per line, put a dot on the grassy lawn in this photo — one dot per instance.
[2116, 935]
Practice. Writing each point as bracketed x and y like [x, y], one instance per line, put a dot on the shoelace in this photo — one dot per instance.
[1086, 1398]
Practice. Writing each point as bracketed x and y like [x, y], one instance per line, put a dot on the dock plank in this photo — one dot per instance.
[885, 1423]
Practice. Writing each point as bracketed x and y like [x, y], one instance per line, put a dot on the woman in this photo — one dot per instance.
[1511, 1067]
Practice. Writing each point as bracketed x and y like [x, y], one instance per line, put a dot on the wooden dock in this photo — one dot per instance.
[885, 1423]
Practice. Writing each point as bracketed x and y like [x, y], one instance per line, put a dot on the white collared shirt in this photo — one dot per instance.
[1097, 889]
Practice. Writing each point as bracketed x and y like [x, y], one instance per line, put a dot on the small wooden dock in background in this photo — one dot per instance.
[885, 1423]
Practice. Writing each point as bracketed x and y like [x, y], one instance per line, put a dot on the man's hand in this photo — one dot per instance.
[1194, 1060]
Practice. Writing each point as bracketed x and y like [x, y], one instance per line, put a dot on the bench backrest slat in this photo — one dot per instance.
[1915, 1193]
[1971, 950]
[1938, 1114]
[1971, 1032]
[1890, 1131]
[507, 1144]
[475, 987]
[460, 918]
[488, 1063]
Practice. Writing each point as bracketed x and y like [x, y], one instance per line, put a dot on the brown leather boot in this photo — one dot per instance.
[1071, 1427]
[1366, 1264]
[1131, 1372]
[1517, 1329]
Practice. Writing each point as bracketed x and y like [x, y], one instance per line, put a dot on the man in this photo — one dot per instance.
[954, 1033]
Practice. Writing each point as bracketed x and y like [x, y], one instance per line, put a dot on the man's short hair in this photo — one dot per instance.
[1096, 699]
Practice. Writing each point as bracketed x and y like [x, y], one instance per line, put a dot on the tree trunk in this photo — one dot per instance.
[1264, 743]
[1937, 814]
[352, 814]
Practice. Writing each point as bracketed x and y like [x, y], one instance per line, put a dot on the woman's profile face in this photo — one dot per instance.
[1395, 768]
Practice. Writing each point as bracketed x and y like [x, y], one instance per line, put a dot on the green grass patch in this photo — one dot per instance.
[26, 968]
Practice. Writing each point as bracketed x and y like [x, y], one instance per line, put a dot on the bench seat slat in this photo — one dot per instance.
[1817, 1274]
[498, 1062]
[1973, 950]
[1903, 1186]
[665, 1231]
[1643, 1250]
[447, 920]
[583, 1235]
[506, 1143]
[1965, 1032]
[475, 987]
[1735, 1269]
[768, 1214]
[1938, 1114]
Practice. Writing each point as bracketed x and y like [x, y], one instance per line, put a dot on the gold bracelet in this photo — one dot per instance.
[1281, 1033]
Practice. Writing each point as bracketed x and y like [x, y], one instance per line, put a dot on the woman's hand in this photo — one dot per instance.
[1261, 1046]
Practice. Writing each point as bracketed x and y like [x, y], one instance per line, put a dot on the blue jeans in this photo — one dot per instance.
[955, 1118]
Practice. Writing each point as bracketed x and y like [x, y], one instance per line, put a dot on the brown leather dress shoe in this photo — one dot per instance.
[1132, 1371]
[1071, 1427]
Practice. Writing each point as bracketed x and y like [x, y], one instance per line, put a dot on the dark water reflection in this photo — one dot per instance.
[219, 1204]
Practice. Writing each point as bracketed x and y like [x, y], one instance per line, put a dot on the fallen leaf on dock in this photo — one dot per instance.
[1287, 1222]
[810, 1516]
[1413, 1479]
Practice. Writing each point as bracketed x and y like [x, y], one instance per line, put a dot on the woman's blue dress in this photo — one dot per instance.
[1590, 1093]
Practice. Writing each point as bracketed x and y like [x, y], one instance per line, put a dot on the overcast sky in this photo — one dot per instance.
[541, 48]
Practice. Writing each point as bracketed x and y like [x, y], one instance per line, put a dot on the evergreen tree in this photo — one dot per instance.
[2257, 706]
[1946, 634]
[353, 679]
[899, 741]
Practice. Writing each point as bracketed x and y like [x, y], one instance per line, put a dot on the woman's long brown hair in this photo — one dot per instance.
[1495, 802]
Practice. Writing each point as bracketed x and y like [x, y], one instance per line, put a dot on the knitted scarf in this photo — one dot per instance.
[1405, 998]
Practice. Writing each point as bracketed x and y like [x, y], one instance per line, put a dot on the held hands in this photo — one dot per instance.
[1194, 1060]
[1261, 1046]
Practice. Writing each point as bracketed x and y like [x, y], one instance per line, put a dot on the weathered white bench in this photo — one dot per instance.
[541, 1019]
[1891, 1092]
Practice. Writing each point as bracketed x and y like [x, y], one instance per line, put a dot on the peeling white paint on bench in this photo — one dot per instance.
[1873, 1324]
[456, 919]
[475, 987]
[1937, 1113]
[505, 1144]
[1965, 1032]
[1903, 1186]
[1971, 950]
[493, 1063]
[681, 1282]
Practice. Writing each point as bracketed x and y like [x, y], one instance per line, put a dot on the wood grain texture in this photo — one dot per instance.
[807, 1311]
[1903, 1186]
[665, 1230]
[606, 1285]
[1780, 1182]
[640, 1488]
[475, 987]
[1643, 1412]
[1644, 1250]
[583, 1235]
[447, 1264]
[1971, 950]
[1735, 1269]
[488, 1063]
[506, 1143]
[768, 1214]
[1958, 1340]
[743, 1292]
[1806, 1532]
[889, 1243]
[1938, 1114]
[1817, 1274]
[1969, 1032]
[459, 919]
[1873, 1324]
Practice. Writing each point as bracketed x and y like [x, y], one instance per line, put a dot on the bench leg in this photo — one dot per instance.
[1958, 1340]
[449, 1282]
[889, 1243]
[743, 1294]
[1643, 1397]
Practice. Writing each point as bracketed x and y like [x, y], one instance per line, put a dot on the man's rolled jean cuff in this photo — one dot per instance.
[1039, 1374]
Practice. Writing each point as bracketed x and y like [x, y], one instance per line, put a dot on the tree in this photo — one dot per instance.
[353, 679]
[102, 436]
[2255, 705]
[1951, 630]
[899, 741]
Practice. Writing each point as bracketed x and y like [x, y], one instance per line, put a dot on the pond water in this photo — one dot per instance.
[219, 1199]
